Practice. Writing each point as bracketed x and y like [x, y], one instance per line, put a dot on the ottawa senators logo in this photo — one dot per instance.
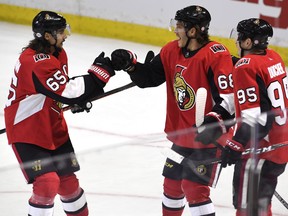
[201, 169]
[184, 94]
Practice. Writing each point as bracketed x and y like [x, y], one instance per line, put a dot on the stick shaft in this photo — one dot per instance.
[108, 93]
[105, 94]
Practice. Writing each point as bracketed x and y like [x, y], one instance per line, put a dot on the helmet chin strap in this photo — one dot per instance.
[188, 41]
[241, 52]
[57, 50]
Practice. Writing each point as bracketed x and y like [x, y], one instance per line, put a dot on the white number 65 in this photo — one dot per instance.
[55, 81]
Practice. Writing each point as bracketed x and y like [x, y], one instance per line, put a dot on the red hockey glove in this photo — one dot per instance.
[231, 153]
[211, 129]
[102, 68]
[123, 60]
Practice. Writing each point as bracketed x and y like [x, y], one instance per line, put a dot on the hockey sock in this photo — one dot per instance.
[76, 206]
[172, 206]
[197, 196]
[45, 188]
[204, 208]
[72, 196]
[36, 209]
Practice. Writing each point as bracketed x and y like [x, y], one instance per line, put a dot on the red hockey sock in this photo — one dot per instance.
[45, 189]
[72, 196]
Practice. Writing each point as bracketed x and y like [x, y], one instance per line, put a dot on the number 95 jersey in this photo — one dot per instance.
[260, 86]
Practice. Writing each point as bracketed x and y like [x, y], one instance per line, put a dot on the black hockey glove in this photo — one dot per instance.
[102, 68]
[231, 153]
[81, 108]
[149, 56]
[211, 129]
[123, 60]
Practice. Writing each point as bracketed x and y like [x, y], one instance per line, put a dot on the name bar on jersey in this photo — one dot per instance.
[275, 70]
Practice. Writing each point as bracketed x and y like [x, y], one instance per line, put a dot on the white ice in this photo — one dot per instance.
[118, 143]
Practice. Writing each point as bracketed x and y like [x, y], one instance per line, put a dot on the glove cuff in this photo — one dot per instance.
[100, 73]
[234, 145]
[133, 58]
[219, 119]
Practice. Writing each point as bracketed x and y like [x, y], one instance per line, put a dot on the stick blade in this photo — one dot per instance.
[169, 153]
[201, 97]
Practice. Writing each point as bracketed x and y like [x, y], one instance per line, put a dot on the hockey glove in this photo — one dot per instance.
[150, 55]
[102, 68]
[123, 60]
[85, 107]
[209, 132]
[231, 153]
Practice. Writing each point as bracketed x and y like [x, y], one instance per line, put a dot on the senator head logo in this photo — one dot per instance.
[184, 94]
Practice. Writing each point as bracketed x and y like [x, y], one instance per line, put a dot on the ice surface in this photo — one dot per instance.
[118, 143]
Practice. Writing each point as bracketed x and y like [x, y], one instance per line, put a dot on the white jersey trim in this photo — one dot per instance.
[74, 88]
[228, 102]
[253, 115]
[29, 106]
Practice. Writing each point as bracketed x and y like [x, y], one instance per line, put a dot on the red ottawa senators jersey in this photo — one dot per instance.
[260, 81]
[209, 67]
[31, 117]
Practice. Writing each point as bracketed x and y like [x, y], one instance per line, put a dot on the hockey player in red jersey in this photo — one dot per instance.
[186, 64]
[260, 89]
[35, 124]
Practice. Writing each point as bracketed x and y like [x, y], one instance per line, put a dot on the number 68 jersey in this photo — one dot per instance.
[261, 86]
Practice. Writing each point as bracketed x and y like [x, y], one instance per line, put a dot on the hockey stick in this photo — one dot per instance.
[191, 163]
[281, 199]
[182, 159]
[195, 166]
[2, 130]
[201, 96]
[105, 94]
[264, 149]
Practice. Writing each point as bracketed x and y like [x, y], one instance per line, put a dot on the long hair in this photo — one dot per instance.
[201, 37]
[40, 45]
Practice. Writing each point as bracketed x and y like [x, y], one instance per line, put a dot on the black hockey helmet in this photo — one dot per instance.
[194, 15]
[47, 21]
[258, 30]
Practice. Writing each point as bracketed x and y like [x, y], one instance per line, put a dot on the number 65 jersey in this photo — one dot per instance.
[39, 87]
[261, 95]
